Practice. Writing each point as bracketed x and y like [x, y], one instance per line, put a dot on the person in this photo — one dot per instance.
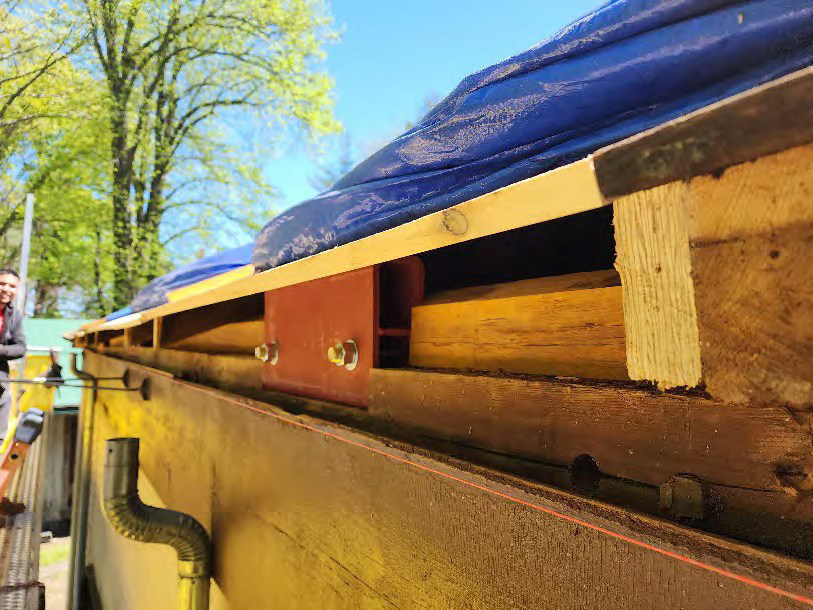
[12, 339]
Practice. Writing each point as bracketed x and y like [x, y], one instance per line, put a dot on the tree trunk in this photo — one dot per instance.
[123, 286]
[100, 307]
[46, 299]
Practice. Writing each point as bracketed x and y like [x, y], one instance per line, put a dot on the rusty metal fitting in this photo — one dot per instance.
[267, 352]
[344, 354]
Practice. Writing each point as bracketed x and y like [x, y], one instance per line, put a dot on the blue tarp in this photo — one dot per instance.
[628, 66]
[119, 313]
[155, 293]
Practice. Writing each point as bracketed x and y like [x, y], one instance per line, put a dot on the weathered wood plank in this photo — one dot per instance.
[229, 338]
[777, 518]
[751, 235]
[760, 121]
[653, 259]
[755, 302]
[757, 198]
[236, 372]
[632, 433]
[568, 325]
[327, 517]
[756, 463]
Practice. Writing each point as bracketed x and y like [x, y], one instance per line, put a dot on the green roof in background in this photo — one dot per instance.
[45, 333]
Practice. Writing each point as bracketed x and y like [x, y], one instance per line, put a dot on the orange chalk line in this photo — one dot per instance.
[544, 509]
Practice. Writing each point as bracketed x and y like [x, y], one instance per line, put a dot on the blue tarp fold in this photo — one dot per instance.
[119, 313]
[626, 67]
[155, 293]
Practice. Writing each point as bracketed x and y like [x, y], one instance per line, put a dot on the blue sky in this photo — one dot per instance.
[392, 55]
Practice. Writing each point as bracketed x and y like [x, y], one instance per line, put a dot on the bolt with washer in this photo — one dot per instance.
[344, 354]
[267, 352]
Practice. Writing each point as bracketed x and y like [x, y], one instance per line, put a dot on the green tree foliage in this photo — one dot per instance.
[72, 248]
[49, 143]
[33, 53]
[176, 73]
[141, 127]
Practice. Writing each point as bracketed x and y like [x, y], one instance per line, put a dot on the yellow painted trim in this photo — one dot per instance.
[210, 283]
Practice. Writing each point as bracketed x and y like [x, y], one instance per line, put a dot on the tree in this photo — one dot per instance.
[31, 47]
[49, 141]
[174, 71]
[71, 237]
[33, 54]
[71, 213]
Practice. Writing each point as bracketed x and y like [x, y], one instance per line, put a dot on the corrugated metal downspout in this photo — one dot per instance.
[131, 517]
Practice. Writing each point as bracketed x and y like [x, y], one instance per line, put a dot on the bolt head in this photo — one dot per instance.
[343, 354]
[335, 354]
[261, 352]
[267, 352]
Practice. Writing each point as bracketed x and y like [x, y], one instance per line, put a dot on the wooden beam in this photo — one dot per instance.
[234, 371]
[653, 259]
[230, 338]
[566, 325]
[763, 120]
[157, 326]
[632, 433]
[755, 463]
[751, 233]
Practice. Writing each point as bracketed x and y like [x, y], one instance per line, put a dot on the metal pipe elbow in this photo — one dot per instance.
[132, 518]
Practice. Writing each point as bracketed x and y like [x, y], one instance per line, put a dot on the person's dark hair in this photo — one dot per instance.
[10, 272]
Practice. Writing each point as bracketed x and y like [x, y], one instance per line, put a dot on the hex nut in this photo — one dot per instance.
[267, 352]
[344, 354]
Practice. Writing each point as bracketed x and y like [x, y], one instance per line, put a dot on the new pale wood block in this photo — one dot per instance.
[569, 325]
